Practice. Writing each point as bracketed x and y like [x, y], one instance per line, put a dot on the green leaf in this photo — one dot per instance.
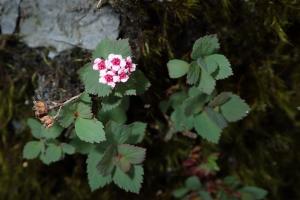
[32, 149]
[89, 130]
[137, 132]
[207, 128]
[67, 115]
[107, 163]
[205, 46]
[193, 74]
[53, 153]
[117, 114]
[180, 193]
[255, 192]
[207, 82]
[117, 133]
[52, 132]
[216, 117]
[193, 183]
[180, 121]
[177, 68]
[137, 84]
[110, 102]
[81, 146]
[205, 195]
[194, 104]
[96, 180]
[35, 127]
[90, 79]
[108, 46]
[85, 97]
[220, 99]
[211, 63]
[134, 154]
[84, 111]
[130, 181]
[224, 69]
[234, 109]
[68, 148]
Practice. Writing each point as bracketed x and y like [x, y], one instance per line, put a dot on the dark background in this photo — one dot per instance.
[260, 38]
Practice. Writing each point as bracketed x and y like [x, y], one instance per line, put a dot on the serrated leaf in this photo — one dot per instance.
[211, 63]
[180, 121]
[35, 127]
[117, 133]
[194, 104]
[117, 114]
[137, 82]
[90, 79]
[207, 128]
[193, 74]
[81, 146]
[68, 149]
[137, 132]
[67, 115]
[234, 109]
[177, 68]
[193, 183]
[108, 46]
[216, 117]
[52, 132]
[131, 181]
[53, 153]
[207, 82]
[32, 149]
[84, 111]
[96, 180]
[107, 163]
[205, 46]
[220, 99]
[134, 154]
[85, 97]
[224, 69]
[89, 130]
[255, 192]
[110, 102]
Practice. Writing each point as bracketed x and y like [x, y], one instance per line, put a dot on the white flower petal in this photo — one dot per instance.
[111, 56]
[102, 80]
[116, 67]
[116, 78]
[112, 84]
[103, 72]
[123, 63]
[95, 66]
[125, 79]
[128, 59]
[97, 60]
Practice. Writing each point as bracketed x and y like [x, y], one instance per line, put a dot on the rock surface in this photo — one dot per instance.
[61, 24]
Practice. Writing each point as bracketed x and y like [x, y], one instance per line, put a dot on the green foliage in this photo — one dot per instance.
[202, 109]
[89, 130]
[100, 132]
[32, 149]
[194, 187]
[177, 68]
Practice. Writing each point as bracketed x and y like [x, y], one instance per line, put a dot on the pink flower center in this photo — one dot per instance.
[128, 65]
[108, 78]
[116, 61]
[122, 75]
[101, 65]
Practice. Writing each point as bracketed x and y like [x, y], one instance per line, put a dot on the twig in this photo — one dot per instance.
[60, 105]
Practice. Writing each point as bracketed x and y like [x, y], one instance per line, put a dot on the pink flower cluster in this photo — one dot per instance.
[114, 69]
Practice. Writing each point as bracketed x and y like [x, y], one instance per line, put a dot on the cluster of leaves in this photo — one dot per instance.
[199, 106]
[231, 189]
[99, 133]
